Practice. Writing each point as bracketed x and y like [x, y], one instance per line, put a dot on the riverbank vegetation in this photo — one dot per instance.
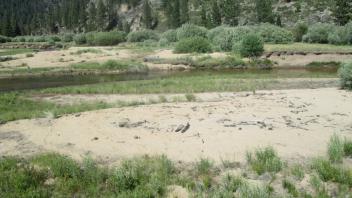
[264, 175]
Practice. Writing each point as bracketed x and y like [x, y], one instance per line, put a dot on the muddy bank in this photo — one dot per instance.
[298, 123]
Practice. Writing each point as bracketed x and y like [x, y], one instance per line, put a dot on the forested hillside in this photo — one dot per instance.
[18, 17]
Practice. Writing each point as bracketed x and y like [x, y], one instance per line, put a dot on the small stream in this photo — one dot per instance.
[38, 82]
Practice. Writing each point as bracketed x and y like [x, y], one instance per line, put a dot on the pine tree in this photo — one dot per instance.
[215, 14]
[203, 15]
[184, 11]
[343, 11]
[264, 10]
[101, 15]
[92, 13]
[231, 10]
[147, 15]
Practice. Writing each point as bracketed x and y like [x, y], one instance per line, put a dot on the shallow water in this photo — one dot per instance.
[24, 83]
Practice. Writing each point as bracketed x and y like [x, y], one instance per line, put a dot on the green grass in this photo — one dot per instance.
[306, 47]
[191, 83]
[290, 187]
[14, 106]
[131, 66]
[347, 148]
[336, 149]
[264, 160]
[10, 52]
[55, 175]
[324, 65]
[328, 171]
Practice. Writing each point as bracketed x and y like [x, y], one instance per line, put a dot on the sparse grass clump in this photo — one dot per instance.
[290, 187]
[248, 191]
[89, 50]
[335, 149]
[193, 44]
[264, 160]
[345, 74]
[190, 97]
[328, 171]
[347, 148]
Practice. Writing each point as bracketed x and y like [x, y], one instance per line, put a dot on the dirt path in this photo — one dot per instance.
[298, 123]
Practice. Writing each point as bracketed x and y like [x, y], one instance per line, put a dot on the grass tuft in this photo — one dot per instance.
[335, 149]
[264, 160]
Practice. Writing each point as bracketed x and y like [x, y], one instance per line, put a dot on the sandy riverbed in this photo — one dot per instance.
[298, 123]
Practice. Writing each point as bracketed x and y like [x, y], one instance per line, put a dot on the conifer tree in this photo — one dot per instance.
[215, 14]
[231, 10]
[147, 15]
[101, 15]
[264, 10]
[343, 11]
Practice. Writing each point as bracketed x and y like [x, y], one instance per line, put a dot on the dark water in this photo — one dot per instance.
[24, 83]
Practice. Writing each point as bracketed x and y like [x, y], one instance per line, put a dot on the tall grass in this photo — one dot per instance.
[264, 160]
[335, 149]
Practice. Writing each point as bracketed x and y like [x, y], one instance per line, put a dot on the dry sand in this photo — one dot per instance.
[298, 123]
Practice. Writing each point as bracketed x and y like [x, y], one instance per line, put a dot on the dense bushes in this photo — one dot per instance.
[80, 39]
[142, 35]
[274, 34]
[223, 38]
[193, 44]
[318, 33]
[252, 45]
[329, 33]
[345, 74]
[107, 38]
[299, 30]
[170, 36]
[190, 30]
[4, 39]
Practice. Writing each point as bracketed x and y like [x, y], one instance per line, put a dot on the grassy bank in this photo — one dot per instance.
[195, 83]
[264, 175]
[11, 52]
[308, 48]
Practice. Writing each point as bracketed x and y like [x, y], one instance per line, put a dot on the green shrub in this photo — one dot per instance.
[55, 38]
[345, 74]
[193, 44]
[223, 38]
[4, 39]
[335, 149]
[67, 38]
[264, 160]
[80, 39]
[142, 35]
[299, 30]
[290, 187]
[318, 33]
[170, 36]
[252, 45]
[190, 30]
[274, 34]
[29, 55]
[105, 38]
[163, 42]
[40, 39]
